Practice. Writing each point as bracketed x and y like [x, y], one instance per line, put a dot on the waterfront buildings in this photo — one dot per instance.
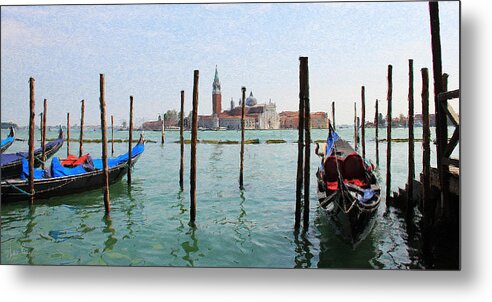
[290, 120]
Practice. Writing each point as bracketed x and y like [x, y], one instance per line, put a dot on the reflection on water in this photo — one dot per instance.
[303, 253]
[149, 220]
[190, 246]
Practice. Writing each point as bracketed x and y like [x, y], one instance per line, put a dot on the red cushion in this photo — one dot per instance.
[81, 160]
[358, 182]
[69, 160]
[332, 185]
[73, 161]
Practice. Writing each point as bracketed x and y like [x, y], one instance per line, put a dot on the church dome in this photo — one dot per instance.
[251, 100]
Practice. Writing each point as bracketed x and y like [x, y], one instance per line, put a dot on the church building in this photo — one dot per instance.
[257, 116]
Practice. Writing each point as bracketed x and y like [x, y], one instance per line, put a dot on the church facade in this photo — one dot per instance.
[257, 116]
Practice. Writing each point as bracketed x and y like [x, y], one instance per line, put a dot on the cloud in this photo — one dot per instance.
[14, 32]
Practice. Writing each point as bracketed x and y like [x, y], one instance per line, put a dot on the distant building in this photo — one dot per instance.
[290, 120]
[153, 125]
[257, 116]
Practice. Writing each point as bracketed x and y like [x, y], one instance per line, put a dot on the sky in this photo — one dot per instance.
[151, 51]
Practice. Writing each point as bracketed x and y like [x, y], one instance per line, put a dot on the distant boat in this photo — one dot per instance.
[348, 191]
[11, 163]
[86, 176]
[8, 141]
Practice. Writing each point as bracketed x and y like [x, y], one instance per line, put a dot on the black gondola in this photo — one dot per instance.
[11, 163]
[348, 191]
[44, 188]
[8, 141]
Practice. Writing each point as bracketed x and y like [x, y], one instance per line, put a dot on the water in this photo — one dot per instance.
[149, 219]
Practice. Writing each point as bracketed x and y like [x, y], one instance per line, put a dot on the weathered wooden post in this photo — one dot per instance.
[441, 117]
[388, 134]
[300, 152]
[43, 134]
[81, 138]
[130, 138]
[31, 140]
[411, 153]
[376, 122]
[41, 125]
[68, 134]
[112, 135]
[363, 118]
[333, 115]
[307, 139]
[163, 128]
[104, 143]
[445, 77]
[243, 90]
[181, 140]
[426, 196]
[194, 134]
[355, 126]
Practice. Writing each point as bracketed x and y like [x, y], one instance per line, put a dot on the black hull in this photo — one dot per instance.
[354, 223]
[14, 169]
[60, 186]
[6, 146]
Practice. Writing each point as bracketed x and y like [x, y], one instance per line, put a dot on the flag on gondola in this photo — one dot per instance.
[332, 138]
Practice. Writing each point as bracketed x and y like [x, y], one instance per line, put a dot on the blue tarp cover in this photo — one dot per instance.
[12, 157]
[57, 170]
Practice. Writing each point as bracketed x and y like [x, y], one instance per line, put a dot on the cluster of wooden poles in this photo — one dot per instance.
[104, 139]
[440, 85]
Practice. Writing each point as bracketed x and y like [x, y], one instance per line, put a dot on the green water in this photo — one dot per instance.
[148, 225]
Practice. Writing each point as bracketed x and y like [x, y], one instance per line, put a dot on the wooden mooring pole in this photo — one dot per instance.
[41, 125]
[300, 153]
[31, 140]
[363, 118]
[428, 211]
[307, 139]
[181, 140]
[104, 143]
[241, 179]
[81, 138]
[68, 134]
[130, 139]
[112, 135]
[411, 150]
[163, 128]
[388, 134]
[441, 117]
[355, 126]
[376, 122]
[43, 134]
[194, 138]
[333, 115]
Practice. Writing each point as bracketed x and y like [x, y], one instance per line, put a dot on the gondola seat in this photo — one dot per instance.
[331, 174]
[354, 171]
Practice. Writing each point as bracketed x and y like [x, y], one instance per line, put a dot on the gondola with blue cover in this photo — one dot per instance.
[61, 180]
[11, 163]
[348, 191]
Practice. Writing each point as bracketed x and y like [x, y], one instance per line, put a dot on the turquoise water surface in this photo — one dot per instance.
[148, 225]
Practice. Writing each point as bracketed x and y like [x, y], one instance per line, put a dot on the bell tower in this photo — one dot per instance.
[216, 95]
